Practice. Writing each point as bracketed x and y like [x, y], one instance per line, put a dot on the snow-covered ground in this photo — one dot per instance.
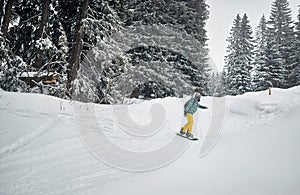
[54, 146]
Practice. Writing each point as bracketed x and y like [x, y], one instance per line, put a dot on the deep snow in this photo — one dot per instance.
[42, 148]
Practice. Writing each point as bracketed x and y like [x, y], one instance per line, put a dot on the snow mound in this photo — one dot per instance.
[245, 106]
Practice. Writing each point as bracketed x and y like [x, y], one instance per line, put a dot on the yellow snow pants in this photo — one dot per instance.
[189, 125]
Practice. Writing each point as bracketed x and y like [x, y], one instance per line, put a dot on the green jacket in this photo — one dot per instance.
[191, 106]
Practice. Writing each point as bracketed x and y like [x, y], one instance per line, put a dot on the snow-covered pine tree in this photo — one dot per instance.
[247, 44]
[217, 84]
[296, 51]
[188, 17]
[196, 27]
[76, 50]
[55, 53]
[103, 20]
[281, 37]
[222, 90]
[239, 59]
[153, 89]
[22, 36]
[164, 66]
[32, 40]
[261, 72]
[212, 83]
[275, 63]
[68, 12]
[233, 52]
[11, 65]
[34, 31]
[40, 36]
[102, 62]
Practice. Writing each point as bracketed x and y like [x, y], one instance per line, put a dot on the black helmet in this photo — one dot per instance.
[197, 96]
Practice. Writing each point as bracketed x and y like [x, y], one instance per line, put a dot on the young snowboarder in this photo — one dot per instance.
[190, 107]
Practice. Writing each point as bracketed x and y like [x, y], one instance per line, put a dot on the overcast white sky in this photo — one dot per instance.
[222, 14]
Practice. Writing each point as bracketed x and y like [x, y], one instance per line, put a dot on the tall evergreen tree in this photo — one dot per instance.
[11, 65]
[247, 54]
[261, 75]
[217, 84]
[222, 90]
[281, 38]
[22, 36]
[185, 16]
[40, 34]
[103, 20]
[296, 52]
[275, 64]
[101, 63]
[75, 55]
[212, 84]
[239, 60]
[230, 60]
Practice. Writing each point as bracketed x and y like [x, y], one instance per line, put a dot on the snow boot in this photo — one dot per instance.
[181, 131]
[189, 135]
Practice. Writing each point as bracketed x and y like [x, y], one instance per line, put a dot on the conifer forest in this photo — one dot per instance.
[104, 51]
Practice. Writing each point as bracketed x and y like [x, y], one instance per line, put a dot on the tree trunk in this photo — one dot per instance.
[1, 10]
[6, 18]
[45, 16]
[77, 48]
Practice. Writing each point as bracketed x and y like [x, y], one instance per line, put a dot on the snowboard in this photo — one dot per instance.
[184, 136]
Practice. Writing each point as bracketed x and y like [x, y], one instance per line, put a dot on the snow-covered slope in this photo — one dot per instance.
[54, 146]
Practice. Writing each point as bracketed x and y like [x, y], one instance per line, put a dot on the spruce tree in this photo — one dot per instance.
[184, 16]
[296, 52]
[75, 54]
[212, 84]
[281, 38]
[247, 55]
[222, 88]
[101, 63]
[217, 84]
[239, 60]
[231, 63]
[23, 35]
[11, 65]
[261, 72]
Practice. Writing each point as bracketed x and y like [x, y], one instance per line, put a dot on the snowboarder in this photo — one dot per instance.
[190, 107]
